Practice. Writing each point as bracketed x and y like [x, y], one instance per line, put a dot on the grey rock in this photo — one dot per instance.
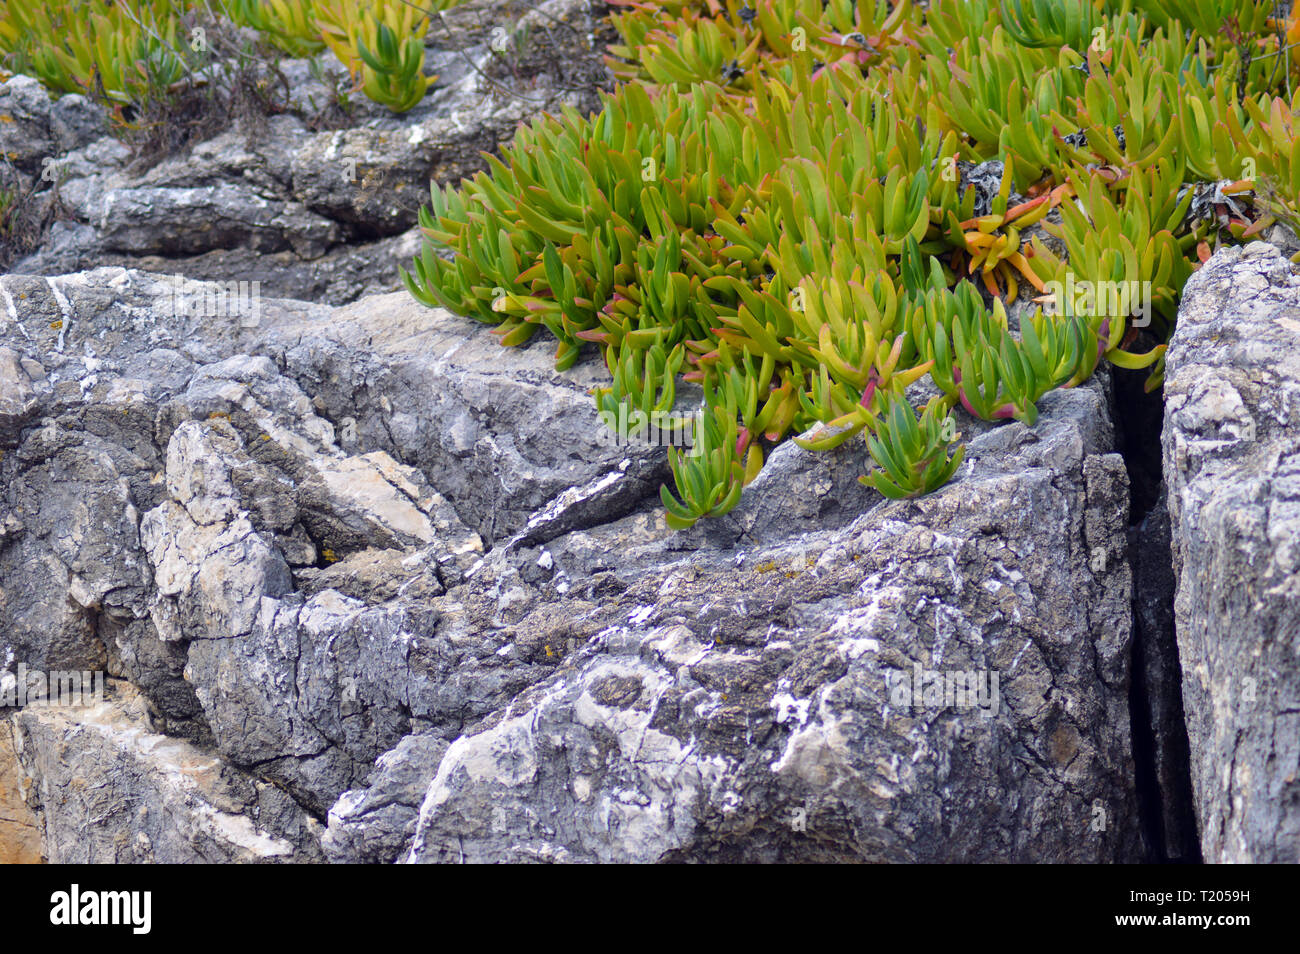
[25, 136]
[157, 668]
[799, 490]
[322, 214]
[188, 221]
[20, 826]
[108, 790]
[343, 274]
[20, 380]
[373, 825]
[1232, 461]
[743, 704]
[503, 432]
[210, 579]
[377, 563]
[66, 564]
[75, 122]
[372, 179]
[375, 576]
[1285, 239]
[84, 168]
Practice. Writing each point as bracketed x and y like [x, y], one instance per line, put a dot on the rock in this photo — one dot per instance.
[217, 480]
[75, 122]
[1284, 238]
[345, 273]
[19, 380]
[190, 221]
[375, 824]
[376, 576]
[375, 179]
[110, 791]
[747, 704]
[66, 564]
[136, 652]
[371, 559]
[25, 136]
[370, 588]
[210, 579]
[312, 212]
[372, 500]
[799, 490]
[20, 827]
[82, 170]
[1232, 461]
[503, 431]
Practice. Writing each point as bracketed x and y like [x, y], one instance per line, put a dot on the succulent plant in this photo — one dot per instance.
[772, 204]
[382, 43]
[124, 53]
[1271, 150]
[806, 206]
[1052, 23]
[912, 455]
[710, 477]
[1208, 18]
[128, 51]
[289, 25]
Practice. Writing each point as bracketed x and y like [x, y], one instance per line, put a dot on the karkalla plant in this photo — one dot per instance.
[381, 42]
[912, 456]
[288, 25]
[806, 208]
[123, 53]
[1269, 153]
[133, 52]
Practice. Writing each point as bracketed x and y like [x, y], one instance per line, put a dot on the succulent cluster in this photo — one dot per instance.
[382, 42]
[131, 51]
[288, 25]
[808, 205]
[123, 52]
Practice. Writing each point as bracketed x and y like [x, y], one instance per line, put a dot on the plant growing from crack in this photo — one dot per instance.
[807, 207]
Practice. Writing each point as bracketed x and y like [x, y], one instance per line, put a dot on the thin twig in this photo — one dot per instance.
[474, 66]
[1289, 46]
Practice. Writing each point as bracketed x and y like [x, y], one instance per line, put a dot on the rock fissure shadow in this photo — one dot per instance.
[1160, 748]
